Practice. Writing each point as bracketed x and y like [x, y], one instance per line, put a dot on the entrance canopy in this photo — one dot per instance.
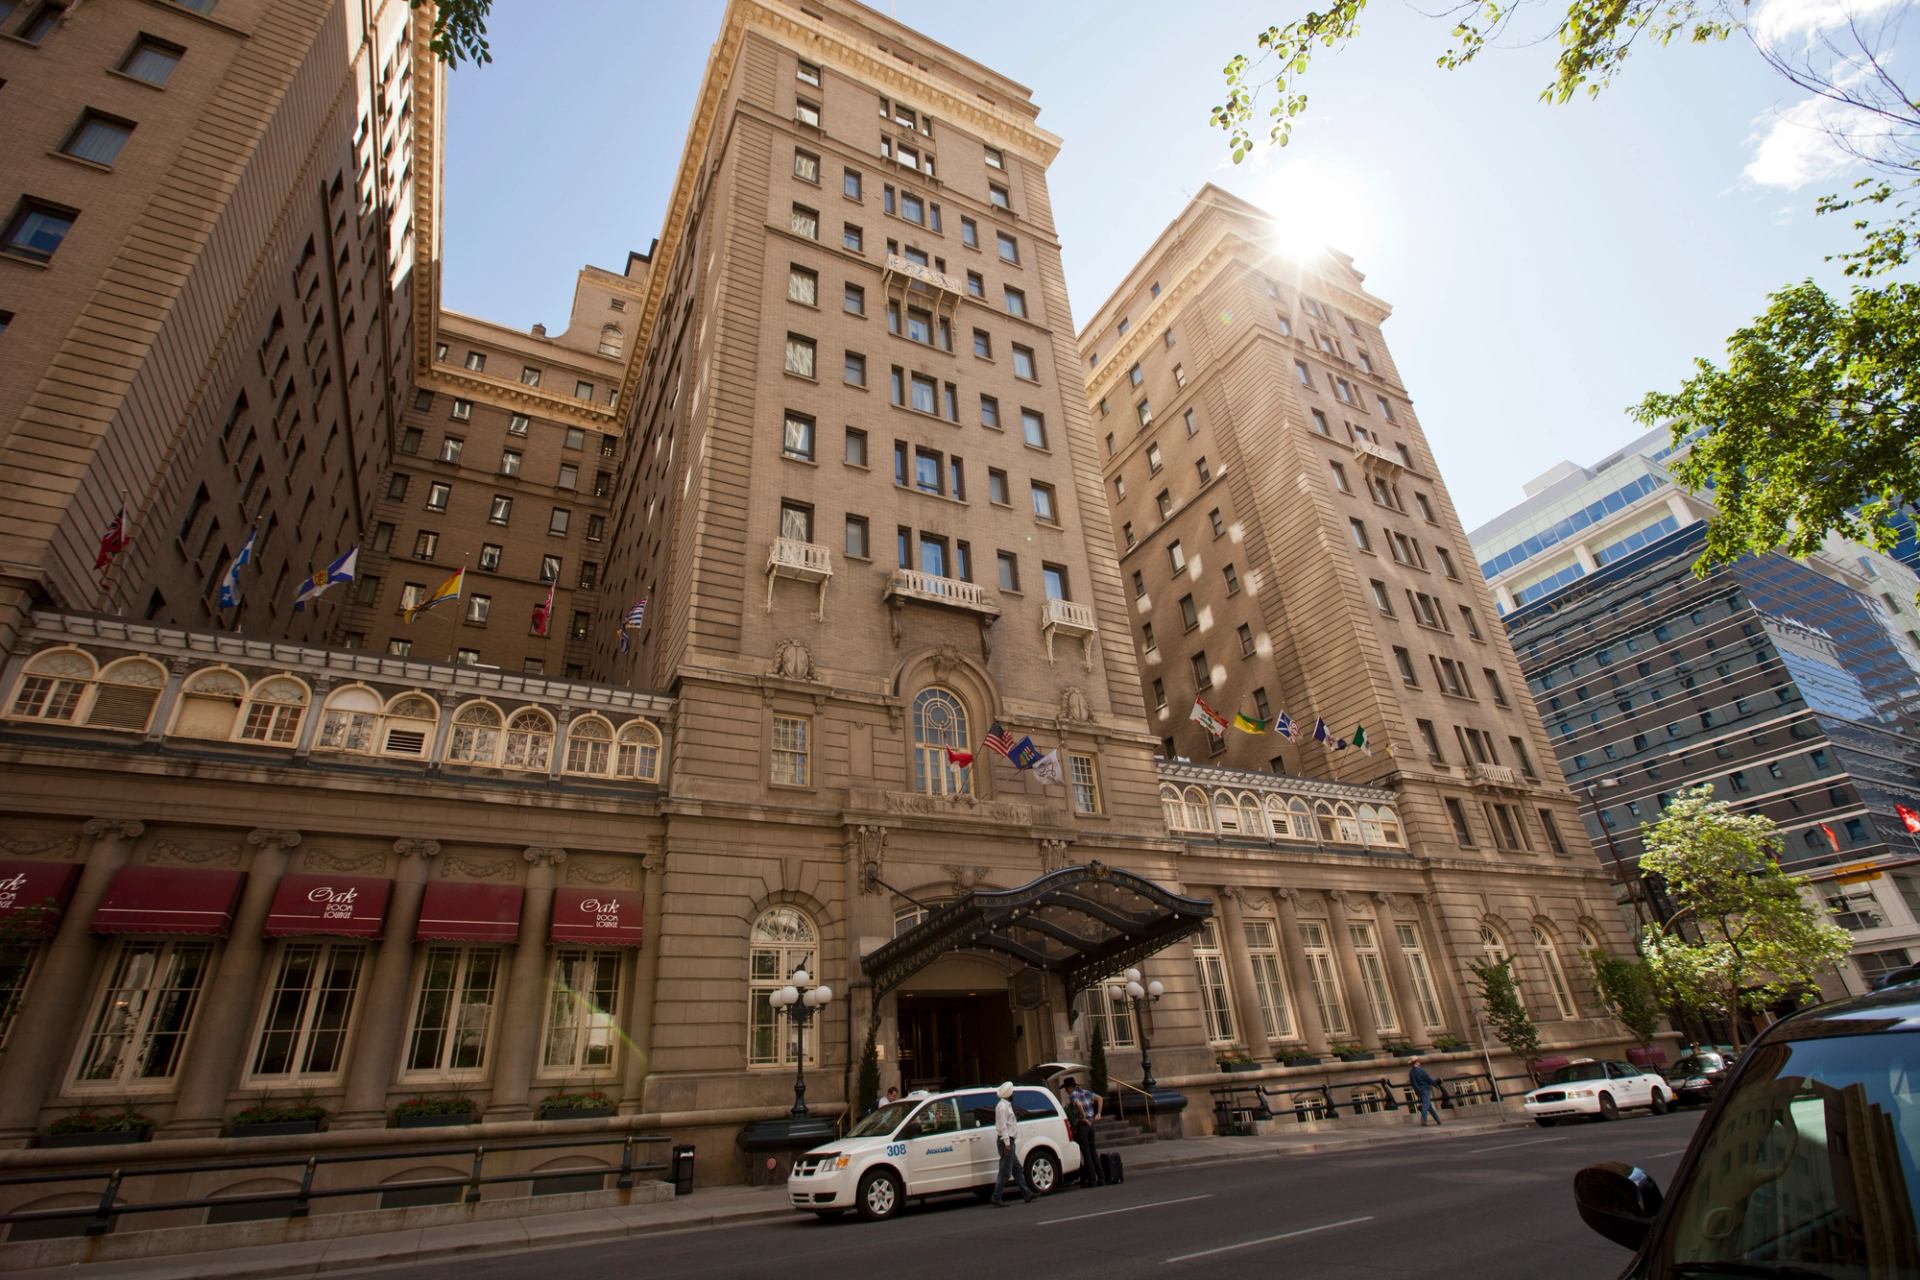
[1086, 923]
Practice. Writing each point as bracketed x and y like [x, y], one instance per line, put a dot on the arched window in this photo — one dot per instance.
[1251, 823]
[1302, 819]
[209, 704]
[1323, 815]
[612, 341]
[1226, 814]
[126, 694]
[1589, 940]
[589, 746]
[348, 719]
[1556, 974]
[637, 752]
[1370, 825]
[1277, 825]
[939, 722]
[52, 686]
[476, 734]
[1346, 826]
[1176, 813]
[273, 712]
[783, 940]
[1198, 816]
[412, 719]
[1493, 944]
[530, 740]
[1390, 832]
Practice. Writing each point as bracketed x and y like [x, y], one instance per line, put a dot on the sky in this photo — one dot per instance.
[1546, 265]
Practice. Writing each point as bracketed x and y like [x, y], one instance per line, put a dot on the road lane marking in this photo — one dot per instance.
[1154, 1204]
[1508, 1146]
[1284, 1235]
[1659, 1154]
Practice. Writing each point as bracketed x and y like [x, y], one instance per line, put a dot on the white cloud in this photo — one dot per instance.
[1778, 21]
[1795, 146]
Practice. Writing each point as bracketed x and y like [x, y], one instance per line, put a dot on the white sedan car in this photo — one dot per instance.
[927, 1144]
[1589, 1087]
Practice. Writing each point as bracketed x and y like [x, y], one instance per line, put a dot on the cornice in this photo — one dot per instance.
[504, 394]
[1182, 773]
[429, 84]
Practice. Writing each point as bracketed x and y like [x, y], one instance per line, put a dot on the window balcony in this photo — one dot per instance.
[911, 278]
[1068, 618]
[1374, 454]
[1496, 776]
[801, 562]
[931, 588]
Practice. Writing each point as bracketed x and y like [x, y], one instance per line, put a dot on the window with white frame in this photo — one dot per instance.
[583, 1003]
[529, 740]
[790, 751]
[17, 965]
[453, 1010]
[1269, 980]
[1556, 975]
[637, 751]
[1084, 779]
[303, 1029]
[939, 723]
[783, 940]
[273, 712]
[53, 685]
[348, 720]
[1111, 1015]
[1215, 1004]
[1373, 976]
[1415, 951]
[1322, 977]
[144, 1013]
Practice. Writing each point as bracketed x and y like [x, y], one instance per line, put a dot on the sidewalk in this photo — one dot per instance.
[708, 1207]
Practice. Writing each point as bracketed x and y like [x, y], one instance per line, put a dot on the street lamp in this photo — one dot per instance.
[1619, 869]
[800, 998]
[1138, 994]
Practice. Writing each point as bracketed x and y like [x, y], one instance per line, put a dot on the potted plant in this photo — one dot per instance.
[1297, 1058]
[90, 1128]
[276, 1119]
[428, 1113]
[1400, 1049]
[1448, 1044]
[1238, 1062]
[586, 1105]
[1347, 1051]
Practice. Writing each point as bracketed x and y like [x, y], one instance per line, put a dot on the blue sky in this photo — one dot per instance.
[1546, 265]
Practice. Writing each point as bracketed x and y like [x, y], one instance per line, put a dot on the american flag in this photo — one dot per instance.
[998, 739]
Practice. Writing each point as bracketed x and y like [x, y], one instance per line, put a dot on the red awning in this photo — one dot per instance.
[597, 917]
[170, 900]
[42, 887]
[335, 906]
[453, 911]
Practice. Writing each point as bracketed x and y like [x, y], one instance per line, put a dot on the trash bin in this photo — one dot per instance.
[682, 1171]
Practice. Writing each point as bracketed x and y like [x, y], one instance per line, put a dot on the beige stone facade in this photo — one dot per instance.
[833, 428]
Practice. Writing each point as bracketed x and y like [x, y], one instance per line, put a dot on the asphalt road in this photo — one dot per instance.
[1487, 1206]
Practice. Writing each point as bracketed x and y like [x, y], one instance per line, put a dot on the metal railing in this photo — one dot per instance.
[101, 1217]
[1121, 1089]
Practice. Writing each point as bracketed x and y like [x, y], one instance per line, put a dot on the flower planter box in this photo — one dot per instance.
[1404, 1053]
[1239, 1066]
[99, 1138]
[1300, 1060]
[439, 1120]
[1365, 1055]
[275, 1128]
[575, 1113]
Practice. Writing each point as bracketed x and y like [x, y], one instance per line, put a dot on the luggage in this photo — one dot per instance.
[1112, 1171]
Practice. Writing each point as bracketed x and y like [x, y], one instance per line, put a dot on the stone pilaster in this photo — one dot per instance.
[388, 997]
[1413, 1025]
[56, 1010]
[524, 1016]
[1246, 994]
[638, 1063]
[1306, 1009]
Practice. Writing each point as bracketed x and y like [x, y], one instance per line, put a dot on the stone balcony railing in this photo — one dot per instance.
[1371, 453]
[931, 588]
[915, 274]
[1068, 618]
[802, 562]
[1495, 775]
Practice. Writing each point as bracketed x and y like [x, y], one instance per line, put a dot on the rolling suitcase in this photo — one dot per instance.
[1112, 1171]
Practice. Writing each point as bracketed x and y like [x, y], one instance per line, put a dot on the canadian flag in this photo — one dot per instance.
[959, 759]
[1909, 817]
[543, 613]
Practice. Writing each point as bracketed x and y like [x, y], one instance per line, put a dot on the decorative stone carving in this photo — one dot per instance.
[1073, 705]
[118, 828]
[267, 838]
[204, 855]
[1285, 893]
[479, 868]
[923, 805]
[1053, 853]
[617, 874]
[1232, 891]
[655, 859]
[871, 847]
[335, 860]
[946, 659]
[964, 878]
[62, 847]
[1351, 903]
[792, 661]
[409, 848]
[537, 855]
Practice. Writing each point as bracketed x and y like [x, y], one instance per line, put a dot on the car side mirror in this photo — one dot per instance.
[1617, 1200]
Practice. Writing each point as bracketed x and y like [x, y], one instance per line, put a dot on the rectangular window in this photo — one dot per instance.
[1009, 571]
[1202, 671]
[1360, 538]
[1245, 633]
[800, 352]
[1232, 578]
[1424, 991]
[451, 446]
[437, 494]
[1043, 503]
[1023, 363]
[1009, 248]
[425, 544]
[797, 437]
[530, 376]
[790, 758]
[852, 238]
[144, 1013]
[510, 462]
[1216, 1005]
[152, 60]
[1033, 427]
[806, 222]
[997, 491]
[559, 520]
[857, 545]
[807, 113]
[990, 412]
[501, 509]
[583, 1010]
[1176, 557]
[1457, 815]
[806, 166]
[854, 303]
[98, 138]
[856, 448]
[569, 476]
[808, 74]
[37, 229]
[1084, 781]
[854, 370]
[1323, 978]
[453, 1010]
[303, 1029]
[1269, 986]
[517, 425]
[803, 286]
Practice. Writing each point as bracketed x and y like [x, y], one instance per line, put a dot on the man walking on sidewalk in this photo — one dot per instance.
[1423, 1090]
[1005, 1133]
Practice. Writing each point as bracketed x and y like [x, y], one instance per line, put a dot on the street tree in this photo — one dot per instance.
[1755, 941]
[1627, 989]
[459, 30]
[1506, 1012]
[1810, 426]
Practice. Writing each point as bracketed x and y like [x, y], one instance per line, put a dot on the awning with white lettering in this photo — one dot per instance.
[596, 917]
[36, 889]
[328, 906]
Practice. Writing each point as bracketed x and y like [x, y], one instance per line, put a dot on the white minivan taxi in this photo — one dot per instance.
[929, 1144]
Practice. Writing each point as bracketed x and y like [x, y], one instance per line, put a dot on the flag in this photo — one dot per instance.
[1284, 726]
[1359, 739]
[959, 759]
[1832, 839]
[1047, 769]
[1340, 744]
[634, 617]
[1909, 817]
[999, 740]
[113, 539]
[1249, 724]
[341, 570]
[543, 613]
[1024, 754]
[230, 583]
[1320, 730]
[448, 590]
[1208, 718]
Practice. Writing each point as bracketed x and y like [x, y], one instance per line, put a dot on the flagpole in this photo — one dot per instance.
[453, 634]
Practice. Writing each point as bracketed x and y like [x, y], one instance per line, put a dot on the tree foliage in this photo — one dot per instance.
[1758, 941]
[1626, 988]
[866, 1091]
[1097, 1062]
[459, 30]
[1506, 1012]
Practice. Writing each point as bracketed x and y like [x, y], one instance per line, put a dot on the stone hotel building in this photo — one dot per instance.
[835, 428]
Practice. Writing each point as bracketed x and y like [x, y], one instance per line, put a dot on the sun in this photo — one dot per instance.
[1317, 205]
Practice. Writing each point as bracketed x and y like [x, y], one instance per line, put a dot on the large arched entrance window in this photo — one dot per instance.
[784, 939]
[939, 722]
